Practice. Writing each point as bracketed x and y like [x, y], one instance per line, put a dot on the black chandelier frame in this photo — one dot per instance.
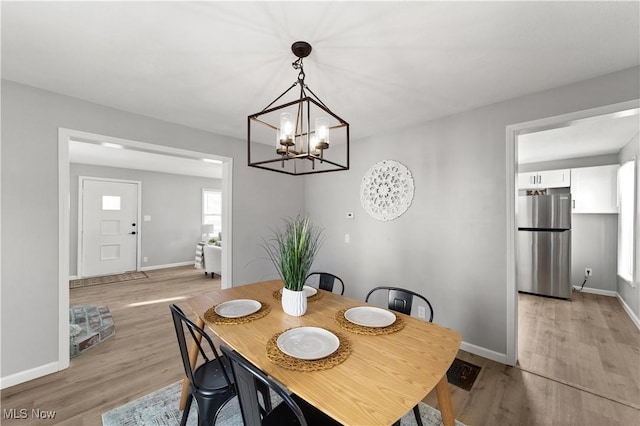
[292, 151]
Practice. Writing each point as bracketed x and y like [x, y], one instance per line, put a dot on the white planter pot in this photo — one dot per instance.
[294, 303]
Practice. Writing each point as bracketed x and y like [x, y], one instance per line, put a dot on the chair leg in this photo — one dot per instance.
[208, 408]
[416, 412]
[187, 407]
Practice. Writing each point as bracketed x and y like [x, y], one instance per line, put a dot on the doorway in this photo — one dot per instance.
[512, 133]
[65, 137]
[108, 217]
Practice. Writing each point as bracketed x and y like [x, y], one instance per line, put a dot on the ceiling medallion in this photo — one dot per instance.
[308, 136]
[386, 191]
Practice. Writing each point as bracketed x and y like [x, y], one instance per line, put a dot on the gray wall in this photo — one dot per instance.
[594, 237]
[631, 295]
[171, 235]
[30, 121]
[451, 243]
[594, 244]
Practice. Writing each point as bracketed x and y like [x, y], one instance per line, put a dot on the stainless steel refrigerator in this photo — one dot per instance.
[544, 245]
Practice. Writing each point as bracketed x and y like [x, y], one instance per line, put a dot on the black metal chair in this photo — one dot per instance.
[326, 281]
[401, 300]
[292, 411]
[211, 383]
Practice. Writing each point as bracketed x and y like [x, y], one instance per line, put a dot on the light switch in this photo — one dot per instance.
[347, 238]
[147, 218]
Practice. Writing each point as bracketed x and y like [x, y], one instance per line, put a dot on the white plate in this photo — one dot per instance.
[308, 290]
[369, 316]
[308, 342]
[238, 308]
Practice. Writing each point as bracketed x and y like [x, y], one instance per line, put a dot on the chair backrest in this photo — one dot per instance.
[326, 281]
[180, 322]
[401, 300]
[248, 379]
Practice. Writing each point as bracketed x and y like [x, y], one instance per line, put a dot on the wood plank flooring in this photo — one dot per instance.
[588, 342]
[143, 357]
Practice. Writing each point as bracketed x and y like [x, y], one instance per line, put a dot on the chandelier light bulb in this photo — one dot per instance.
[322, 133]
[286, 129]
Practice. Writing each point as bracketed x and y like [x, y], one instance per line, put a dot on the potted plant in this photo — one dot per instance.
[292, 251]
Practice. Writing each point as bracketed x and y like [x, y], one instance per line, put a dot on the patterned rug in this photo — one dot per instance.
[108, 279]
[160, 408]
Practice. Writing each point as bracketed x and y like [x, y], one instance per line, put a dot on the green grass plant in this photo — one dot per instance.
[293, 249]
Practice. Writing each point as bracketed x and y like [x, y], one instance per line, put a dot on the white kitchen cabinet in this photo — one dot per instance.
[594, 189]
[546, 179]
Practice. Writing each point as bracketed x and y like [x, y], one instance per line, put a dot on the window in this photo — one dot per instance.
[212, 209]
[626, 202]
[110, 202]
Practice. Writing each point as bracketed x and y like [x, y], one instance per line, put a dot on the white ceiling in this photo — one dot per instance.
[109, 156]
[595, 137]
[379, 65]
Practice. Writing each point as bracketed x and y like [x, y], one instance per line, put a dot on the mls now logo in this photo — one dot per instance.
[23, 413]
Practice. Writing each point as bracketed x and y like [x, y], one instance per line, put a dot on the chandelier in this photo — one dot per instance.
[309, 138]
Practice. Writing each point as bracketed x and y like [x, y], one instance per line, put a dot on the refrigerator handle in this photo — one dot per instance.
[573, 202]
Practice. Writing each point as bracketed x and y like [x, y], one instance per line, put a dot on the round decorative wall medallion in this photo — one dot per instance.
[386, 191]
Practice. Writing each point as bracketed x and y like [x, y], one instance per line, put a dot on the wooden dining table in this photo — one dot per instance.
[383, 377]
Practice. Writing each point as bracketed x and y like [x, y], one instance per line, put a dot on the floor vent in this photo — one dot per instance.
[462, 374]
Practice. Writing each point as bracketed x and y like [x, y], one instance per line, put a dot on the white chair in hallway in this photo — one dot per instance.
[212, 260]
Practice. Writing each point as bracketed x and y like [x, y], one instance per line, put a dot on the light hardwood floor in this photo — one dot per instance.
[143, 357]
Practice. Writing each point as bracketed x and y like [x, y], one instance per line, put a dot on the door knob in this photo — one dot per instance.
[133, 232]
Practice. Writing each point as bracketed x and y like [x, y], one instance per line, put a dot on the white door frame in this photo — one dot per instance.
[64, 205]
[80, 250]
[512, 132]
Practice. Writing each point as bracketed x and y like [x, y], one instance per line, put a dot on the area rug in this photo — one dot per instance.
[108, 279]
[160, 408]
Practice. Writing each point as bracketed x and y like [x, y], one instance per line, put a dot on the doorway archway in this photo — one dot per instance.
[512, 133]
[65, 136]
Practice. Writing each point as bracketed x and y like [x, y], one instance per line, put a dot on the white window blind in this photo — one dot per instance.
[212, 209]
[626, 220]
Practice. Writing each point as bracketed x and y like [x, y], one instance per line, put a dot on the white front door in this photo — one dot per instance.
[109, 233]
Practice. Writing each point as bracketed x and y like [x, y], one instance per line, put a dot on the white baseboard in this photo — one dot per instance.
[484, 352]
[610, 293]
[629, 312]
[596, 291]
[169, 265]
[25, 376]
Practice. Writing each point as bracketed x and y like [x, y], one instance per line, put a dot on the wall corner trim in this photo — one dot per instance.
[168, 265]
[484, 352]
[598, 291]
[629, 312]
[25, 376]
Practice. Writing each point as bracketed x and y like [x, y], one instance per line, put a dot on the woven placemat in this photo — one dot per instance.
[281, 359]
[368, 331]
[278, 296]
[212, 317]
